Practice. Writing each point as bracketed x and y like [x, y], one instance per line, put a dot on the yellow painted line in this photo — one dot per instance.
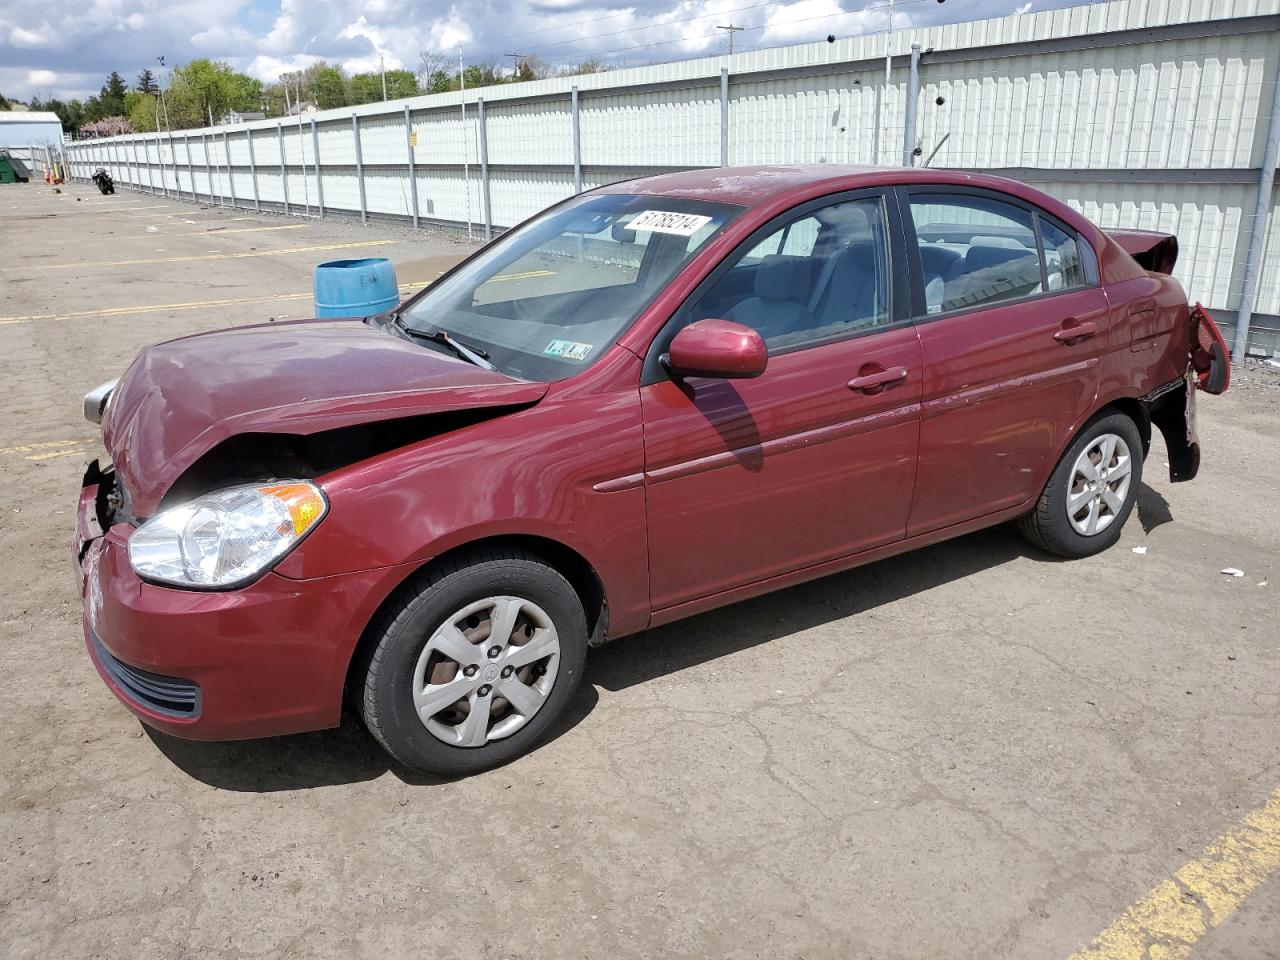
[1169, 921]
[188, 305]
[199, 223]
[522, 276]
[128, 210]
[187, 214]
[211, 256]
[284, 226]
[41, 445]
[56, 453]
[196, 304]
[230, 301]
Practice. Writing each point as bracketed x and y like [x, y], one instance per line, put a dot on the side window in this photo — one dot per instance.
[1063, 266]
[974, 250]
[818, 278]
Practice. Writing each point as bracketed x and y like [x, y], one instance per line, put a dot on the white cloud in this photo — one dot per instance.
[22, 37]
[379, 56]
[81, 41]
[220, 38]
[1025, 8]
[41, 78]
[449, 32]
[269, 68]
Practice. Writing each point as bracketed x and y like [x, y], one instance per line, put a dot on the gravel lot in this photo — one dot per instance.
[970, 751]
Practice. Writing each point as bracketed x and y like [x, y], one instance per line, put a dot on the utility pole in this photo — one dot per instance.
[382, 64]
[882, 131]
[302, 150]
[164, 106]
[515, 61]
[732, 30]
[466, 144]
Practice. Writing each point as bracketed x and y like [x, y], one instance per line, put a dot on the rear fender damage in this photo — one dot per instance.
[1171, 409]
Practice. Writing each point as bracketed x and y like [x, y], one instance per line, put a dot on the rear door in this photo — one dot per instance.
[813, 460]
[1012, 322]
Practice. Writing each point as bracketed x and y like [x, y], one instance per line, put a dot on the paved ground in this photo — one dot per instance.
[968, 752]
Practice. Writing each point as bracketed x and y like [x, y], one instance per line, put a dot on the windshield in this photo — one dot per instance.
[546, 300]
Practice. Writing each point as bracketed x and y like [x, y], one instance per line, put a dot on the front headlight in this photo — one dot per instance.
[228, 537]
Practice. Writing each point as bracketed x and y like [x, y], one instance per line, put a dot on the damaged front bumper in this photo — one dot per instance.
[266, 659]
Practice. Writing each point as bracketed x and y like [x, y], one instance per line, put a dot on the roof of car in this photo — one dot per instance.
[749, 186]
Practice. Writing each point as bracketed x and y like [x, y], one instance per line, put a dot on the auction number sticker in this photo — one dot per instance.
[568, 349]
[664, 221]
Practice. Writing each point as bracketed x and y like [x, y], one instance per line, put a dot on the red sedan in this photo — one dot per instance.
[650, 400]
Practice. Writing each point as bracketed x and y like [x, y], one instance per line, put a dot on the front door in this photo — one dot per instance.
[815, 459]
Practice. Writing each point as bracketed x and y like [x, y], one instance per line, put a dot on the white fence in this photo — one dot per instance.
[1150, 114]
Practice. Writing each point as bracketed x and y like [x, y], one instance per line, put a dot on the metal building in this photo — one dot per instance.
[29, 128]
[1154, 114]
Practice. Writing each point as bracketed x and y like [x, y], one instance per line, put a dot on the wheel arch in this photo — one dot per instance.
[565, 560]
[1134, 409]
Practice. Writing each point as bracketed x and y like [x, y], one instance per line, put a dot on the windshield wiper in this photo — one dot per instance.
[470, 354]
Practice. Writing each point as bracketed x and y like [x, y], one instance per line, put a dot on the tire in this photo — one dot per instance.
[427, 641]
[1051, 526]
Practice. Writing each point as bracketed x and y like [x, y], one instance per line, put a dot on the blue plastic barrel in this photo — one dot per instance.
[355, 288]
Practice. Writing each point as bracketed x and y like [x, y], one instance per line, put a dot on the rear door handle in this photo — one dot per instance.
[877, 378]
[1071, 331]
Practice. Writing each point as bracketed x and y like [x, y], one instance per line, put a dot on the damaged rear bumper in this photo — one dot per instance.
[1171, 409]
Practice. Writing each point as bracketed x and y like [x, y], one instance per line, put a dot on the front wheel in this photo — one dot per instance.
[475, 663]
[1091, 491]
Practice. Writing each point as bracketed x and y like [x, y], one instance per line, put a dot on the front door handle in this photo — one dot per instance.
[1073, 331]
[874, 378]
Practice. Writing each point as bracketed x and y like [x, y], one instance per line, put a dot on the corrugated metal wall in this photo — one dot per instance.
[1140, 113]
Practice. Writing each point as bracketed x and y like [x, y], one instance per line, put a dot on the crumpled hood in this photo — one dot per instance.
[181, 398]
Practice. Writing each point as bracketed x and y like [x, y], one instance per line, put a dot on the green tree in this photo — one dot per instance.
[140, 108]
[205, 88]
[367, 87]
[70, 113]
[440, 81]
[328, 87]
[4, 104]
[111, 96]
[109, 102]
[147, 82]
[478, 76]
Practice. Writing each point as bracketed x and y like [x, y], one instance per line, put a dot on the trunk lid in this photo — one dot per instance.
[1157, 252]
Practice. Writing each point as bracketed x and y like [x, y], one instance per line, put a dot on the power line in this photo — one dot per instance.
[732, 30]
[713, 36]
[713, 14]
[701, 16]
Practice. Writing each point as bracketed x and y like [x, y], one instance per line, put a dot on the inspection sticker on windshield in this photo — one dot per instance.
[569, 349]
[664, 221]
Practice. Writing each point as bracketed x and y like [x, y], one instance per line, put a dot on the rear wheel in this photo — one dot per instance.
[475, 663]
[1091, 491]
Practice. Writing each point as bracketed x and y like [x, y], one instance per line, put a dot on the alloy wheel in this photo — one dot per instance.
[1098, 486]
[486, 671]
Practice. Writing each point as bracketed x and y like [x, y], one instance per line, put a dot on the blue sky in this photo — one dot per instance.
[65, 48]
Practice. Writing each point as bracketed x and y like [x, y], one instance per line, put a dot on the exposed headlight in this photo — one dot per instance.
[228, 537]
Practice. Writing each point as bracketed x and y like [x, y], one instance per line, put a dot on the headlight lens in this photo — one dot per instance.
[226, 538]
